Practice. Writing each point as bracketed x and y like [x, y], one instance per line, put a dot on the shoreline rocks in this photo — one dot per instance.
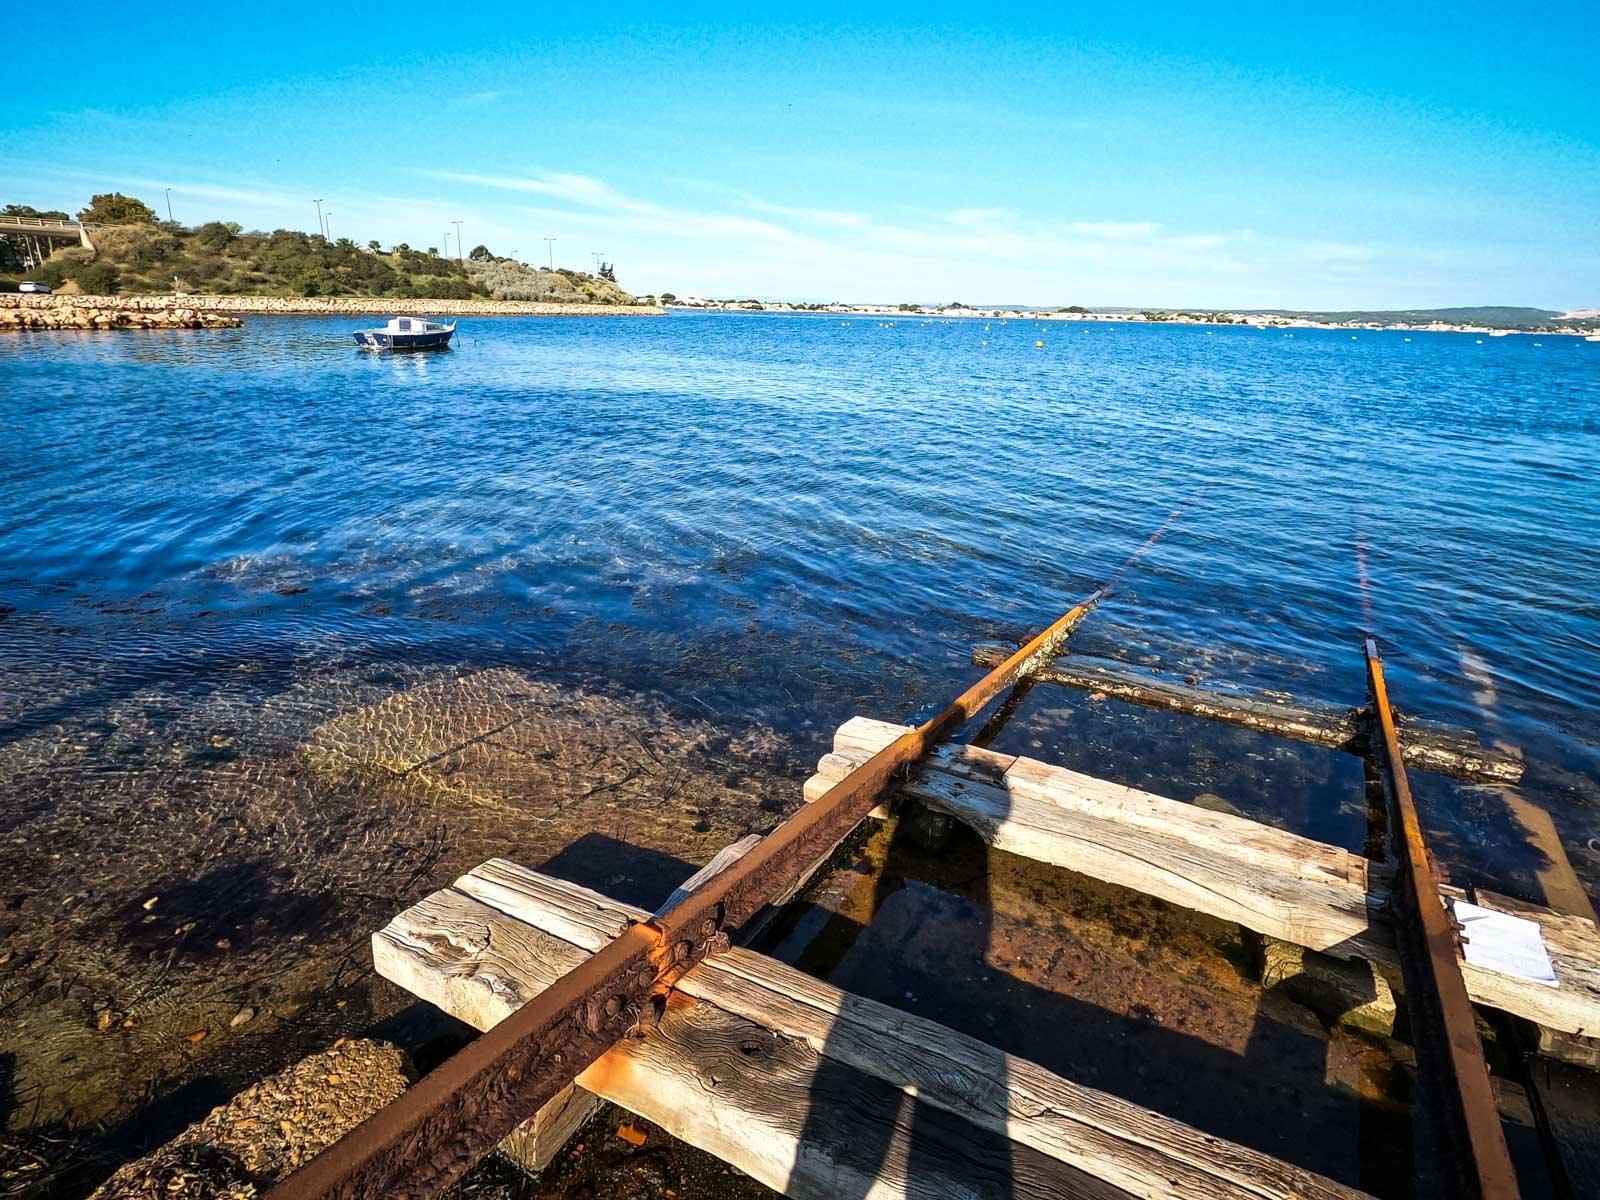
[107, 312]
[64, 311]
[270, 1129]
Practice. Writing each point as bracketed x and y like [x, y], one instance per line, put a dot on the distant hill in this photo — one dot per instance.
[1489, 314]
[134, 253]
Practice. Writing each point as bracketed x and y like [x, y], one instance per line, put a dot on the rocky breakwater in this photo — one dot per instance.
[359, 306]
[109, 312]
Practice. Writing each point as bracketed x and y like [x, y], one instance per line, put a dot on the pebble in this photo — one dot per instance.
[243, 1017]
[270, 1129]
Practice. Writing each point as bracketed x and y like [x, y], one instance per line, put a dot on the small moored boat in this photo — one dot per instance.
[406, 333]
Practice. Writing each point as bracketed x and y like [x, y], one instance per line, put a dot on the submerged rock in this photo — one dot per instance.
[1349, 992]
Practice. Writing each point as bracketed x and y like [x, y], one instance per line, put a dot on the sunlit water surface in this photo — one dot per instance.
[782, 521]
[730, 509]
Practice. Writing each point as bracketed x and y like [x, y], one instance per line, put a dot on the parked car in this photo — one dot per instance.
[28, 285]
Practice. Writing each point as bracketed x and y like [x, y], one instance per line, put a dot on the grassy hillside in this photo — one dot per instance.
[137, 254]
[215, 258]
[506, 279]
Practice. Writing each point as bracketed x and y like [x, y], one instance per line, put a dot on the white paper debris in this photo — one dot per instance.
[1498, 941]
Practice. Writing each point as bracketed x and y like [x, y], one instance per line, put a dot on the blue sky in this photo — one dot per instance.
[1185, 155]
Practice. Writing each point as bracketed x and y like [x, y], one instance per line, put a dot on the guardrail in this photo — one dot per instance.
[42, 223]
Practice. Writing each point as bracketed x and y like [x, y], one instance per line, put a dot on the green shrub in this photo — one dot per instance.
[95, 278]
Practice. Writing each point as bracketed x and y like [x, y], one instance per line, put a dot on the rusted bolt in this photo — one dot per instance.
[613, 1006]
[646, 977]
[682, 951]
[707, 927]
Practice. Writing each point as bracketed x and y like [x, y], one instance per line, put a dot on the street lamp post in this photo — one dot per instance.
[461, 253]
[327, 226]
[550, 246]
[169, 205]
[320, 229]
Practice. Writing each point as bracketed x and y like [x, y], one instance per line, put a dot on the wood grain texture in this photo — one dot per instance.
[809, 1089]
[1269, 880]
[578, 914]
[810, 1128]
[723, 859]
[1128, 1146]
[479, 965]
[534, 1144]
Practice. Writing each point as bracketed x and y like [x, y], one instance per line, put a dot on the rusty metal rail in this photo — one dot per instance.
[429, 1137]
[1461, 1147]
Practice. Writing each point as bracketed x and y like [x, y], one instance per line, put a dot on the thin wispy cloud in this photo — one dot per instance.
[702, 238]
[476, 99]
[816, 250]
[814, 216]
[1116, 229]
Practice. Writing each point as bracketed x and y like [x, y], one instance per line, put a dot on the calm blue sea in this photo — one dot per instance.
[791, 519]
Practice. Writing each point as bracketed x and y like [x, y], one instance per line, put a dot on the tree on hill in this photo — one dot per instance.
[214, 235]
[480, 254]
[608, 272]
[113, 208]
[28, 210]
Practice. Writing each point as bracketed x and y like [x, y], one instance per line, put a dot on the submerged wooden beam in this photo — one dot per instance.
[1426, 747]
[1274, 882]
[795, 1082]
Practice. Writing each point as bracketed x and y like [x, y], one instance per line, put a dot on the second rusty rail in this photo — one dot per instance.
[1462, 1148]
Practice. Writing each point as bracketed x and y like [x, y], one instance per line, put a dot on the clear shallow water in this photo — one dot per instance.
[790, 519]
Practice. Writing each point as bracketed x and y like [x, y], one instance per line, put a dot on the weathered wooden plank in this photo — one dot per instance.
[484, 992]
[810, 1127]
[760, 1101]
[1574, 947]
[1427, 747]
[1239, 870]
[741, 1073]
[1266, 879]
[480, 965]
[996, 1091]
[578, 914]
[720, 862]
[535, 1143]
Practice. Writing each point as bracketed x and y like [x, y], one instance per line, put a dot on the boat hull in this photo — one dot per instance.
[377, 339]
